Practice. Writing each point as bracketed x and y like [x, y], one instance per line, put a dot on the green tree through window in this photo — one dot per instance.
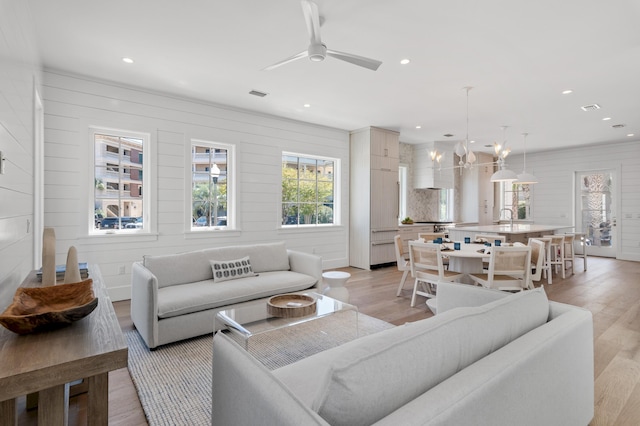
[307, 190]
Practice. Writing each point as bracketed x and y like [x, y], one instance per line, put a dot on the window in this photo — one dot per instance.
[445, 204]
[211, 197]
[308, 190]
[117, 192]
[516, 198]
[402, 199]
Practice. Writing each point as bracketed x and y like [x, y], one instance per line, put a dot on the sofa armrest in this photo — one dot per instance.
[244, 392]
[306, 263]
[144, 303]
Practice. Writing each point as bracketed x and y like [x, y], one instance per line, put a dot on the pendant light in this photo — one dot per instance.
[503, 174]
[463, 150]
[524, 177]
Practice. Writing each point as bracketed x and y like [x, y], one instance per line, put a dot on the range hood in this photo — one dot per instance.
[428, 174]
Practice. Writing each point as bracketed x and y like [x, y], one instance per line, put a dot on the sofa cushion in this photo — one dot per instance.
[224, 270]
[181, 268]
[202, 295]
[264, 257]
[362, 386]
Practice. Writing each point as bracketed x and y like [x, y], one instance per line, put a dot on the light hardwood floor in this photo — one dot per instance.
[610, 289]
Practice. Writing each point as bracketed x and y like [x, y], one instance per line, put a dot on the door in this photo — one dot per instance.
[596, 211]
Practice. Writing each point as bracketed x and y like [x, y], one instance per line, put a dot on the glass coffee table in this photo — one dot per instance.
[333, 323]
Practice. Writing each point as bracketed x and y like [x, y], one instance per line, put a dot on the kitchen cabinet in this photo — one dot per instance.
[477, 201]
[374, 192]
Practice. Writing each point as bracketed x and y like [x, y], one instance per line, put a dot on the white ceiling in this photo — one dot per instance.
[518, 55]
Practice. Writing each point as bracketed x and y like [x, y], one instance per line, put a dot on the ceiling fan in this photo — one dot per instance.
[317, 50]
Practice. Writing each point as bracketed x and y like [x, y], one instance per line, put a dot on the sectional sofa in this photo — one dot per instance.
[486, 358]
[176, 296]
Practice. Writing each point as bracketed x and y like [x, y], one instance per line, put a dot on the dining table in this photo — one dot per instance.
[467, 260]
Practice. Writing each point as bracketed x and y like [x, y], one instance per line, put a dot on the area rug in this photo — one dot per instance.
[174, 381]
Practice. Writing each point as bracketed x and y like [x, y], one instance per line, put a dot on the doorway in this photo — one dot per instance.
[596, 211]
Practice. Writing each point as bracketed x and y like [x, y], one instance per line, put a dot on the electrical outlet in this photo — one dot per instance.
[121, 269]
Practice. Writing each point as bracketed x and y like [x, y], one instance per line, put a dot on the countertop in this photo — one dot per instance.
[516, 228]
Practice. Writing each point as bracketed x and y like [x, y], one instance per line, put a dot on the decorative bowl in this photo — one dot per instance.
[44, 308]
[291, 305]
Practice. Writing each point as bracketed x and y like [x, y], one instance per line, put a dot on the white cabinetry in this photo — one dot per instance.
[477, 191]
[411, 232]
[426, 173]
[373, 210]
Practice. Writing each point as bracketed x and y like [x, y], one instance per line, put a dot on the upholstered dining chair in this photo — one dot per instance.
[427, 269]
[537, 260]
[403, 263]
[557, 253]
[509, 269]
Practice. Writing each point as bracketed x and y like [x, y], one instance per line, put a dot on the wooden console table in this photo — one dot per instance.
[45, 362]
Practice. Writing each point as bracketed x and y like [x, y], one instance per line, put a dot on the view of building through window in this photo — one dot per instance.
[307, 190]
[209, 184]
[118, 179]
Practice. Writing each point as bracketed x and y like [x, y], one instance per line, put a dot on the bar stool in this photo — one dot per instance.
[546, 266]
[569, 255]
[557, 252]
[582, 238]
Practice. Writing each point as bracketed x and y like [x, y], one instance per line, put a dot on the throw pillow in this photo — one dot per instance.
[224, 270]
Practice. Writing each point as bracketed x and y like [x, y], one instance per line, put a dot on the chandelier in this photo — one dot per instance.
[502, 151]
[463, 150]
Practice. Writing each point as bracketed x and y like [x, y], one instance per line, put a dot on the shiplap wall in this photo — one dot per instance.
[73, 103]
[554, 195]
[19, 72]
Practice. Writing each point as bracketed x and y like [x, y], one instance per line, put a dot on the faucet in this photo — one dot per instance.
[510, 216]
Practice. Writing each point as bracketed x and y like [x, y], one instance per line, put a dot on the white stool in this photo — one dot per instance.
[335, 281]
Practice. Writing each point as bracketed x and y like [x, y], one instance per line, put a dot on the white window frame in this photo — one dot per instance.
[505, 192]
[146, 181]
[336, 191]
[231, 187]
[403, 171]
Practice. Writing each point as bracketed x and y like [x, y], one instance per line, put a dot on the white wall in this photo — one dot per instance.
[73, 103]
[554, 195]
[19, 75]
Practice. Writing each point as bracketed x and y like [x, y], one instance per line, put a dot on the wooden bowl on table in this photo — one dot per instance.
[44, 308]
[291, 305]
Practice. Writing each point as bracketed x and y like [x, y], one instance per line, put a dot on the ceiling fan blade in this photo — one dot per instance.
[295, 57]
[371, 64]
[312, 18]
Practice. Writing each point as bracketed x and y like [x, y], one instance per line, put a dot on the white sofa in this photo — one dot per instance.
[175, 296]
[487, 358]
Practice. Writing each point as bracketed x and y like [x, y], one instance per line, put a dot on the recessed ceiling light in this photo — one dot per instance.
[127, 60]
[630, 134]
[307, 105]
[566, 92]
[606, 119]
[472, 141]
[405, 61]
[418, 127]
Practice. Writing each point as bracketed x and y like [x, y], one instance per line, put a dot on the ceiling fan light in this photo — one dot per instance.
[504, 175]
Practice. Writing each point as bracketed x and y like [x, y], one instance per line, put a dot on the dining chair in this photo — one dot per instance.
[403, 263]
[430, 236]
[557, 252]
[427, 269]
[582, 238]
[537, 260]
[569, 254]
[509, 269]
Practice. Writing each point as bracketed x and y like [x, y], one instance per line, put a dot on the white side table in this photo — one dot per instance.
[335, 281]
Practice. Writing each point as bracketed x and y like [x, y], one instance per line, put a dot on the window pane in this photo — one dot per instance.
[118, 195]
[307, 190]
[209, 185]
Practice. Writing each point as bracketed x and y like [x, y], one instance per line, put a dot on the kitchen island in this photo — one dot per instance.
[518, 232]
